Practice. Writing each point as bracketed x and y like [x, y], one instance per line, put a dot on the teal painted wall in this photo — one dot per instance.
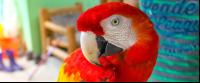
[22, 8]
[29, 14]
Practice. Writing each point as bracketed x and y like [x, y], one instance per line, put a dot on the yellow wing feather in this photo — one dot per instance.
[63, 77]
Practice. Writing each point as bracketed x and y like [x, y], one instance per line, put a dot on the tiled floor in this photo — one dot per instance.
[48, 72]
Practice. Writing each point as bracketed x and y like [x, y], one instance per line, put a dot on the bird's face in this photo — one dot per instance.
[118, 36]
[107, 29]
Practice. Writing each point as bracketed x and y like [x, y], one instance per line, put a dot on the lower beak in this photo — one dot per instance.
[94, 46]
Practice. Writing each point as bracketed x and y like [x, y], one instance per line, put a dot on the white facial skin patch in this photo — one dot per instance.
[119, 31]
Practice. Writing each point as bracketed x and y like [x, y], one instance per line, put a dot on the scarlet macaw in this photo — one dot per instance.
[118, 43]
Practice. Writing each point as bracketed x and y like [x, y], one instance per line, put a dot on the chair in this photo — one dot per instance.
[49, 28]
[106, 1]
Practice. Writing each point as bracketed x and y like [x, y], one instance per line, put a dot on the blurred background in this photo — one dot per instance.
[29, 28]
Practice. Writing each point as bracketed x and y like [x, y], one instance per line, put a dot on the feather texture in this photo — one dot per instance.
[134, 64]
[77, 68]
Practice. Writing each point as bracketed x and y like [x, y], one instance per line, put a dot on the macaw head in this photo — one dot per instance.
[112, 28]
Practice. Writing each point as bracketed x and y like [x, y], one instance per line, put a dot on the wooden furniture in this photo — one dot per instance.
[47, 28]
[134, 3]
[106, 1]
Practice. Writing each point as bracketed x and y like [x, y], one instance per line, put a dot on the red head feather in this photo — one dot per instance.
[90, 20]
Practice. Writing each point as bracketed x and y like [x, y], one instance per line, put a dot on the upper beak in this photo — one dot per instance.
[94, 46]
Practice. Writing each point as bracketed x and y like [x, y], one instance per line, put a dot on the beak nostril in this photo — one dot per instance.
[90, 53]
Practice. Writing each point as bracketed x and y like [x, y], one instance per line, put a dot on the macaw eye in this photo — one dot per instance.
[115, 22]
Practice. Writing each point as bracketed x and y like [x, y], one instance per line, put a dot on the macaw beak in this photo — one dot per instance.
[94, 46]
